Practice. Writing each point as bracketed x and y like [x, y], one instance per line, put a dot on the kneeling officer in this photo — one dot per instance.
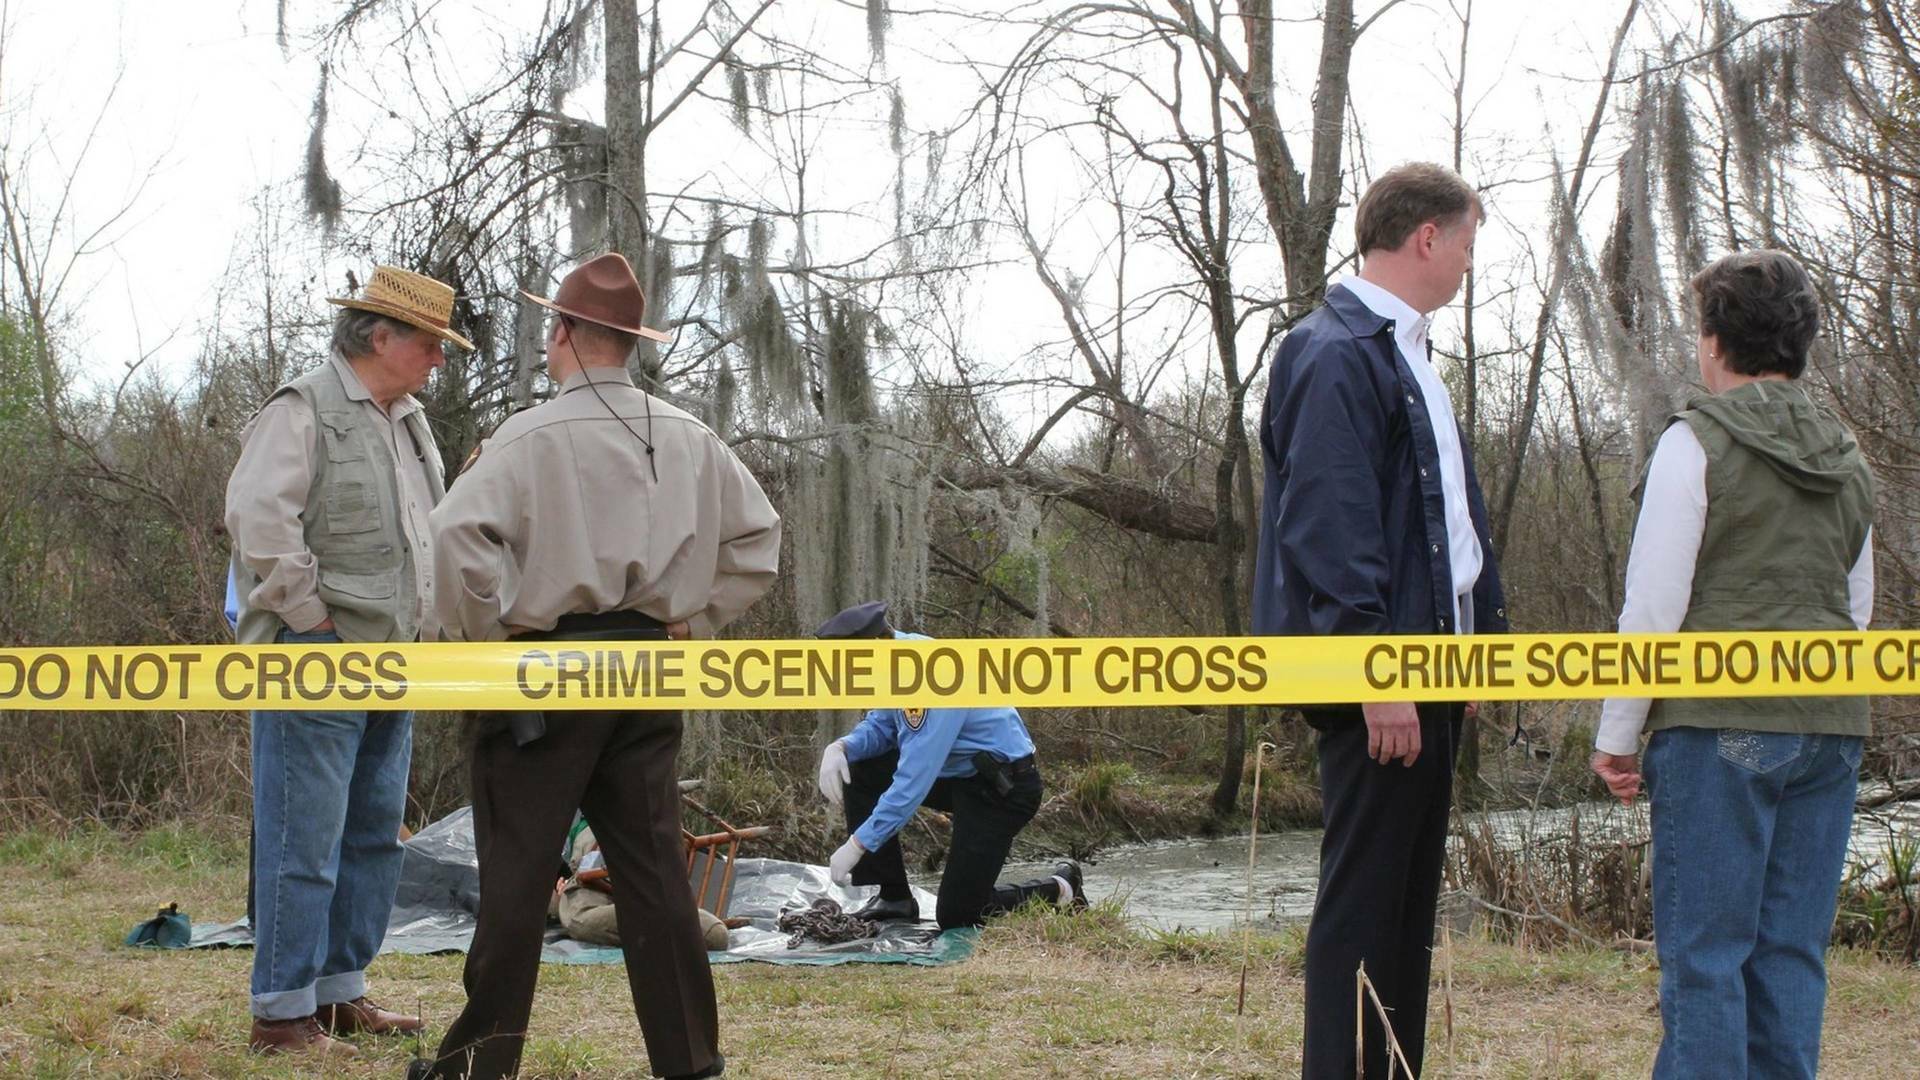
[976, 764]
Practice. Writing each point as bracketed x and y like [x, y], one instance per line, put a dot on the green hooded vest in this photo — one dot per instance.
[1789, 501]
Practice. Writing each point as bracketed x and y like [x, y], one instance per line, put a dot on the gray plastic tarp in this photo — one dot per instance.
[439, 893]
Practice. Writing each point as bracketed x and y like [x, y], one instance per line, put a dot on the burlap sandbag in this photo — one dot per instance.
[587, 915]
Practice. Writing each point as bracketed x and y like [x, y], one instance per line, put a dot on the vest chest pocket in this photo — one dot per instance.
[352, 501]
[342, 447]
[352, 507]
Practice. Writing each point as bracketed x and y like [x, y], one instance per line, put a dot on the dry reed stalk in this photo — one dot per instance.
[1246, 914]
[1446, 987]
[1363, 991]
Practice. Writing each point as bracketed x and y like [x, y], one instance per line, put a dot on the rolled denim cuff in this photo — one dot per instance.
[334, 989]
[285, 1004]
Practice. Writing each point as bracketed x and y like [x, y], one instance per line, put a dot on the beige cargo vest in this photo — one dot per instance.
[352, 520]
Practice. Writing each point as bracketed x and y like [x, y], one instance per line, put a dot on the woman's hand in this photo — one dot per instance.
[1620, 772]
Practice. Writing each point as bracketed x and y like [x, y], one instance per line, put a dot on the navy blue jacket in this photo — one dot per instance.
[1353, 527]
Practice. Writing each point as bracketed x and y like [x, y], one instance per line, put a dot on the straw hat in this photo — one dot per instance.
[603, 291]
[414, 299]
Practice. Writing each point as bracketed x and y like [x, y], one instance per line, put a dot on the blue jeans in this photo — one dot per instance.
[329, 792]
[1749, 839]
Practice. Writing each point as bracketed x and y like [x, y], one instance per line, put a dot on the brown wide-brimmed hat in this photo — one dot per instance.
[414, 299]
[603, 291]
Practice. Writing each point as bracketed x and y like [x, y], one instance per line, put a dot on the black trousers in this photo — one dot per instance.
[1380, 866]
[618, 768]
[984, 825]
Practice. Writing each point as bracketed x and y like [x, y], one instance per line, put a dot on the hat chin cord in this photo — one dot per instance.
[652, 466]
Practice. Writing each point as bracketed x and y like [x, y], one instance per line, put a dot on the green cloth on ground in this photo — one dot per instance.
[170, 928]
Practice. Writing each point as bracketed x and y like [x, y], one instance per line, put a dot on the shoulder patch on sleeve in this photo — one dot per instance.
[479, 444]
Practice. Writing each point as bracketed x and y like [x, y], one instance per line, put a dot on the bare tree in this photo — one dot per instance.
[1209, 106]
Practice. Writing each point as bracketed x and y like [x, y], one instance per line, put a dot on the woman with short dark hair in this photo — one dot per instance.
[1755, 514]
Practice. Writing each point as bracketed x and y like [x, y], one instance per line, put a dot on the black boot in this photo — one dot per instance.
[880, 909]
[1070, 873]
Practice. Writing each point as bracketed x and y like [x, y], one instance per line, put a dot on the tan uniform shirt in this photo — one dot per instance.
[267, 493]
[560, 514]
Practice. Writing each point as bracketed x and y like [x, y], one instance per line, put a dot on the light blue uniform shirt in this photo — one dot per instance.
[934, 744]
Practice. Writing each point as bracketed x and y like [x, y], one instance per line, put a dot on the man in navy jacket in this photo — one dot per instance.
[1372, 523]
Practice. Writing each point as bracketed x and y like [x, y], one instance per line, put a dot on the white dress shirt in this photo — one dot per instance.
[1410, 335]
[1666, 546]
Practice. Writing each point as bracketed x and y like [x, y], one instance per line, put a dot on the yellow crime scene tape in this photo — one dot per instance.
[1033, 672]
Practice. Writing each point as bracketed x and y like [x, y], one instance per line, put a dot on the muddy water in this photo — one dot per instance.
[1202, 884]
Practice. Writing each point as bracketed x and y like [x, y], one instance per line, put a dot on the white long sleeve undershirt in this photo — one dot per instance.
[1666, 546]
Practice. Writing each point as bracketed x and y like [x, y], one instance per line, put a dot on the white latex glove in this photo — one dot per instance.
[840, 867]
[834, 773]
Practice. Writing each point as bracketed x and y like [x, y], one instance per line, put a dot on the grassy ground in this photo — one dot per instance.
[1045, 995]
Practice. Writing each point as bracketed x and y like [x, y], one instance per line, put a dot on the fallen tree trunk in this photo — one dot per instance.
[1130, 504]
[1898, 791]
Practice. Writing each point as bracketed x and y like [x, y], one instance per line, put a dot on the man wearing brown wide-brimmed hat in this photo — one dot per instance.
[327, 508]
[604, 514]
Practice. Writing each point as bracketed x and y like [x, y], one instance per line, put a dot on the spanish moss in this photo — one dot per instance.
[320, 190]
[878, 18]
[1680, 176]
[737, 94]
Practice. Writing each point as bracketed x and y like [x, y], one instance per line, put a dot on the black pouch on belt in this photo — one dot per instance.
[994, 772]
[526, 726]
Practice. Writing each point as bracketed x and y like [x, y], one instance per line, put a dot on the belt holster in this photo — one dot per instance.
[525, 726]
[994, 772]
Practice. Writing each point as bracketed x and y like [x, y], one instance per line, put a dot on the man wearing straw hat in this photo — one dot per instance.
[603, 514]
[328, 508]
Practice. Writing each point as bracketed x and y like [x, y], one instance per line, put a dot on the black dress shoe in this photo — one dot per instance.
[879, 910]
[718, 1067]
[1070, 872]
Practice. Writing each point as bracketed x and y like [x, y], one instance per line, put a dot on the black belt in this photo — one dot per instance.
[527, 725]
[601, 626]
[998, 774]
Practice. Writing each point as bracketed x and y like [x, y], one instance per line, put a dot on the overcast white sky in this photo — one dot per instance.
[208, 103]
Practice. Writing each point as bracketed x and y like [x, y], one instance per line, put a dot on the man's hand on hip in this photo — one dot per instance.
[1393, 731]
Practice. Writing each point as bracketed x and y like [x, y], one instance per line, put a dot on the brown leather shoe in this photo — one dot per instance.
[299, 1036]
[362, 1016]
